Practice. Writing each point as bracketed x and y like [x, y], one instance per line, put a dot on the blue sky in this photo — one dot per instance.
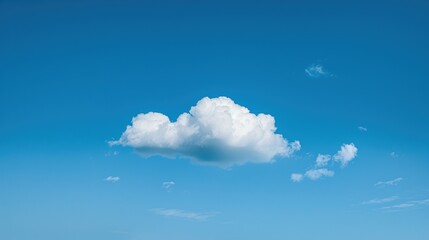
[74, 74]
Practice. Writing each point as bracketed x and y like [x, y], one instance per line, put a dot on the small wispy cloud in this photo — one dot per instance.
[346, 153]
[409, 204]
[398, 206]
[112, 179]
[380, 200]
[322, 160]
[388, 183]
[168, 185]
[316, 70]
[182, 214]
[363, 129]
[296, 177]
[393, 154]
[421, 202]
[315, 174]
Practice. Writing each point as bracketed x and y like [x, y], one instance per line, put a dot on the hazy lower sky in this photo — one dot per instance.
[214, 120]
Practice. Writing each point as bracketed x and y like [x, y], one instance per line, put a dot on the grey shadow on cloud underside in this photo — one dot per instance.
[213, 154]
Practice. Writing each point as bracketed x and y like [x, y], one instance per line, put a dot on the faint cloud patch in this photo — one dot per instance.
[363, 129]
[296, 177]
[178, 213]
[112, 179]
[168, 185]
[111, 153]
[322, 160]
[316, 70]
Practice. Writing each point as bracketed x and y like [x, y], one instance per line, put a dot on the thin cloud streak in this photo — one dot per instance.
[408, 204]
[380, 200]
[178, 213]
[393, 182]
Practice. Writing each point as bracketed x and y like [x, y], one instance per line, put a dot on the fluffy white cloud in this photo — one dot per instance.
[388, 183]
[182, 214]
[216, 131]
[296, 177]
[315, 174]
[112, 179]
[346, 154]
[168, 185]
[322, 160]
[315, 70]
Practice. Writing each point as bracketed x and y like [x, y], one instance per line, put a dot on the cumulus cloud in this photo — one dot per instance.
[389, 183]
[216, 131]
[322, 160]
[316, 70]
[296, 177]
[347, 153]
[112, 179]
[168, 185]
[315, 174]
[182, 214]
[380, 200]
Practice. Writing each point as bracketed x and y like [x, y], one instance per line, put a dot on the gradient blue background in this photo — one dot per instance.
[74, 73]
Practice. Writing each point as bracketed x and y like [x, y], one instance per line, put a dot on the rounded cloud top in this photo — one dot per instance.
[216, 131]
